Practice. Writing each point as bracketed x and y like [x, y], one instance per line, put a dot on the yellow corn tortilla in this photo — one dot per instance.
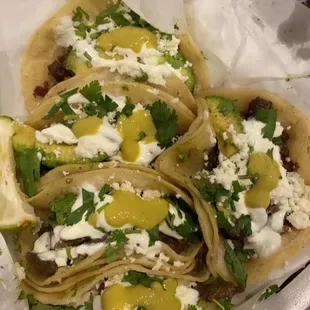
[196, 141]
[142, 179]
[42, 50]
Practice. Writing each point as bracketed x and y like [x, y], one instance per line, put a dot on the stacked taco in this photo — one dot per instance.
[135, 186]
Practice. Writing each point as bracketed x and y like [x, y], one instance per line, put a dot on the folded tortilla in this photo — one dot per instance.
[42, 51]
[55, 285]
[197, 145]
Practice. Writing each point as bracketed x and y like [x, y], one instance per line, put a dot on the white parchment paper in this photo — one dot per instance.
[251, 43]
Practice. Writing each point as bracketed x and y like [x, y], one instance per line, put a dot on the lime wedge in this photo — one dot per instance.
[15, 211]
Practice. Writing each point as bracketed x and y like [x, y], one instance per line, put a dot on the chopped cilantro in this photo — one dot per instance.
[271, 290]
[189, 230]
[119, 237]
[106, 188]
[277, 140]
[213, 191]
[22, 295]
[110, 254]
[89, 304]
[62, 104]
[102, 207]
[165, 121]
[92, 91]
[81, 31]
[115, 13]
[88, 207]
[141, 136]
[223, 304]
[176, 27]
[154, 235]
[61, 206]
[136, 278]
[228, 107]
[78, 14]
[128, 108]
[29, 166]
[270, 153]
[269, 117]
[142, 78]
[68, 252]
[88, 56]
[183, 156]
[235, 259]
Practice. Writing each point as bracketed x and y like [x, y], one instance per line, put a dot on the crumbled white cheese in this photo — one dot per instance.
[187, 295]
[166, 45]
[178, 264]
[20, 272]
[162, 258]
[56, 133]
[151, 194]
[65, 173]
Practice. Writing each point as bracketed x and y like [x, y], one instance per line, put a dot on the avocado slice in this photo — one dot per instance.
[178, 62]
[53, 155]
[76, 64]
[224, 113]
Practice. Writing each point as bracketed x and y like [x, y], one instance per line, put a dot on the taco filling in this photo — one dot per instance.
[120, 40]
[251, 181]
[123, 221]
[86, 125]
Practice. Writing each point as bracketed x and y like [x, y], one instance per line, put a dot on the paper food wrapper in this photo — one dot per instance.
[251, 43]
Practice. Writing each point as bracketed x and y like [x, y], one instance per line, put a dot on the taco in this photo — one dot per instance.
[99, 37]
[246, 158]
[96, 221]
[125, 288]
[120, 121]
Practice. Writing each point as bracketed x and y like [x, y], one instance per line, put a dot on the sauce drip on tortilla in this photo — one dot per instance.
[268, 174]
[119, 297]
[128, 208]
[131, 128]
[86, 126]
[127, 37]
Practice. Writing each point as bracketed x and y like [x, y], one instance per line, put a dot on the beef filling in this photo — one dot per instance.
[40, 267]
[200, 260]
[59, 72]
[257, 104]
[213, 158]
[79, 241]
[176, 245]
[217, 290]
[41, 91]
[272, 209]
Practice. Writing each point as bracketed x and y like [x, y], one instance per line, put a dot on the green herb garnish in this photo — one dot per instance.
[136, 278]
[78, 14]
[271, 290]
[154, 235]
[141, 136]
[269, 117]
[106, 188]
[165, 121]
[223, 304]
[61, 206]
[128, 108]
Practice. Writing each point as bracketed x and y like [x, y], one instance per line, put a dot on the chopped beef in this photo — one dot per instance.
[40, 267]
[272, 209]
[79, 241]
[45, 228]
[257, 104]
[287, 163]
[176, 245]
[200, 260]
[213, 158]
[59, 72]
[41, 91]
[101, 287]
[217, 289]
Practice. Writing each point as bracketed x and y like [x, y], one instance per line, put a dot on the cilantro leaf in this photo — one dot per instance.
[223, 304]
[62, 104]
[235, 265]
[165, 122]
[89, 304]
[228, 107]
[119, 237]
[189, 230]
[154, 235]
[92, 91]
[141, 136]
[213, 191]
[243, 224]
[61, 206]
[36, 305]
[111, 254]
[136, 278]
[269, 117]
[106, 188]
[29, 166]
[78, 14]
[88, 207]
[271, 290]
[128, 109]
[115, 13]
[223, 222]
